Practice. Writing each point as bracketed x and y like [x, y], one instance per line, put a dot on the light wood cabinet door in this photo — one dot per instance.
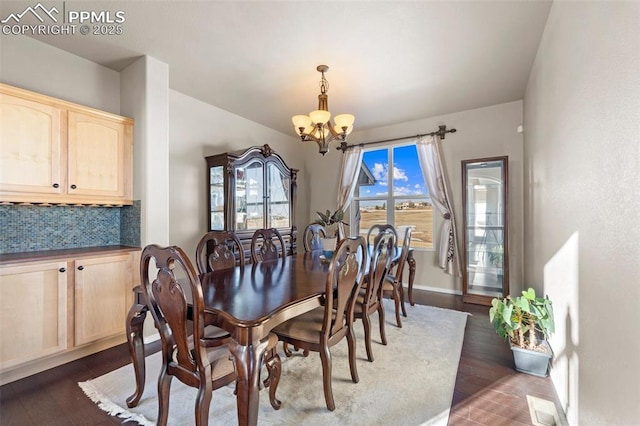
[98, 150]
[33, 311]
[102, 288]
[53, 151]
[32, 157]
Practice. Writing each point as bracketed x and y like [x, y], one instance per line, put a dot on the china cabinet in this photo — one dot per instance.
[486, 254]
[249, 190]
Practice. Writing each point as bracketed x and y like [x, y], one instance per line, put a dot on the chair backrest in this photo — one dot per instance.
[267, 244]
[311, 237]
[168, 300]
[218, 250]
[377, 230]
[344, 279]
[381, 257]
[406, 245]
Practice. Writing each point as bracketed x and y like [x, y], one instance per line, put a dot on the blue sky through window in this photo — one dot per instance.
[407, 176]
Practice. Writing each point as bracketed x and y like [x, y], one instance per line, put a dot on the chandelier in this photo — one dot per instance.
[317, 126]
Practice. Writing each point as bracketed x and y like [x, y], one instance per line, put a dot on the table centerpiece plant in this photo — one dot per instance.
[332, 223]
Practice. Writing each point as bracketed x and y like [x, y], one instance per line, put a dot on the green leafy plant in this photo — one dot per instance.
[496, 256]
[327, 219]
[522, 319]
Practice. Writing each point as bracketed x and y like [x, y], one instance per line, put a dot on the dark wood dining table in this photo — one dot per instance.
[248, 302]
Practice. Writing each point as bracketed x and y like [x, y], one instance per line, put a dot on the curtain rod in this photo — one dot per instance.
[442, 130]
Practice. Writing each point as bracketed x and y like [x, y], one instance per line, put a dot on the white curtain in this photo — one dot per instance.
[351, 161]
[433, 172]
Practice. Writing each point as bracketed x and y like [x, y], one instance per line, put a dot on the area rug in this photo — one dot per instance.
[410, 382]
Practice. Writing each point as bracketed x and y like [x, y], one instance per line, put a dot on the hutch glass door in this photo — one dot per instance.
[486, 266]
[278, 198]
[250, 196]
[216, 192]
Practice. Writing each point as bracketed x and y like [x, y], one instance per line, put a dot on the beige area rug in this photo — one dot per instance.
[410, 382]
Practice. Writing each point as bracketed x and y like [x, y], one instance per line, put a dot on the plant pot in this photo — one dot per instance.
[328, 247]
[532, 362]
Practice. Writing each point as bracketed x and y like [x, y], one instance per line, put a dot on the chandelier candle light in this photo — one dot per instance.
[317, 125]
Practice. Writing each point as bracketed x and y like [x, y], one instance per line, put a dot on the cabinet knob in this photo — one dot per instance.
[73, 187]
[55, 185]
[62, 270]
[80, 268]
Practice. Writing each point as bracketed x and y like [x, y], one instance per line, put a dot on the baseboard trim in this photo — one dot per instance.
[438, 290]
[39, 365]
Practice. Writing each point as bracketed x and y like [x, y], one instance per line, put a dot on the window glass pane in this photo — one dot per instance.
[368, 213]
[418, 214]
[408, 195]
[407, 175]
[377, 167]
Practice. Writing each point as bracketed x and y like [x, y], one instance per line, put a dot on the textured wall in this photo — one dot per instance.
[582, 227]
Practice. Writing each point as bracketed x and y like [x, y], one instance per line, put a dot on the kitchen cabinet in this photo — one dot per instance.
[102, 287]
[53, 151]
[61, 305]
[34, 311]
[249, 190]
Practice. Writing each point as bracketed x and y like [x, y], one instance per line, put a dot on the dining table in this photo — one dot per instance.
[247, 302]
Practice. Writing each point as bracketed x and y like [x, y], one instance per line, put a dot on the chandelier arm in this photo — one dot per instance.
[333, 131]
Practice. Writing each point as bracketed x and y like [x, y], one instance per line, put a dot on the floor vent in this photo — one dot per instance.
[543, 412]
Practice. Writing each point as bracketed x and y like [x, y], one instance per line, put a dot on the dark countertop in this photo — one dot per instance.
[44, 255]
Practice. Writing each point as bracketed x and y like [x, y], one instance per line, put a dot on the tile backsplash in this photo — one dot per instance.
[35, 228]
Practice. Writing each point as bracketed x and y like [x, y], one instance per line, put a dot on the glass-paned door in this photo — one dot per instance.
[278, 198]
[216, 194]
[486, 273]
[249, 193]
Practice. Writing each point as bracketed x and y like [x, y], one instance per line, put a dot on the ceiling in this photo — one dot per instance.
[390, 62]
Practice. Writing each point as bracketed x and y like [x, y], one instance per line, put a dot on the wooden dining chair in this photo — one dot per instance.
[311, 237]
[219, 250]
[369, 299]
[378, 229]
[392, 284]
[194, 358]
[325, 326]
[267, 244]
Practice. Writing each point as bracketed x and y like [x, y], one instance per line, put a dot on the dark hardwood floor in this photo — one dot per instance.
[488, 390]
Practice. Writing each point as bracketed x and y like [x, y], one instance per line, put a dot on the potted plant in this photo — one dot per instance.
[328, 220]
[526, 322]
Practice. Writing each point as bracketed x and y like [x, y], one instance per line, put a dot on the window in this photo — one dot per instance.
[396, 195]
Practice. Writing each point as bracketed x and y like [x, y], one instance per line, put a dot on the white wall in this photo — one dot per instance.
[198, 130]
[483, 132]
[145, 96]
[582, 226]
[30, 64]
